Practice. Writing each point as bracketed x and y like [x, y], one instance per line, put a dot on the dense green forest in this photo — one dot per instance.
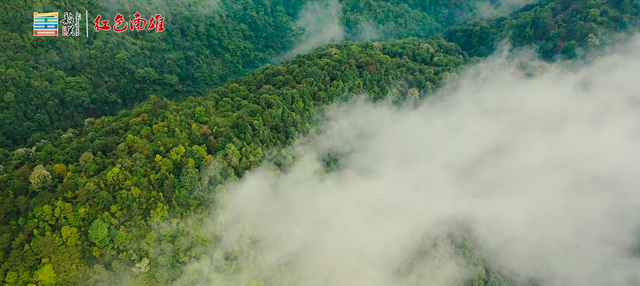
[204, 45]
[556, 29]
[107, 143]
[84, 196]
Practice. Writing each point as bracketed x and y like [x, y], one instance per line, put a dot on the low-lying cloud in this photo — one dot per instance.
[320, 21]
[543, 170]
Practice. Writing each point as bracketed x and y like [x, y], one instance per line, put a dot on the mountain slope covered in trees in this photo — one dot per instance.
[205, 43]
[125, 195]
[565, 29]
[82, 200]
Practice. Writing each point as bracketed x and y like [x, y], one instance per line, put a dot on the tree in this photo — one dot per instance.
[60, 170]
[40, 178]
[70, 235]
[46, 275]
[99, 233]
[86, 158]
[233, 155]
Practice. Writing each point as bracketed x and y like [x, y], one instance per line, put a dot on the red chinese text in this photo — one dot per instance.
[104, 25]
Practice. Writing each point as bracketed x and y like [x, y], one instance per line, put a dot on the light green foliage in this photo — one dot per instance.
[122, 239]
[176, 153]
[113, 175]
[11, 277]
[160, 212]
[70, 235]
[46, 275]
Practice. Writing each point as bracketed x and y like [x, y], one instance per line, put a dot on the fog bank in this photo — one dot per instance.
[542, 169]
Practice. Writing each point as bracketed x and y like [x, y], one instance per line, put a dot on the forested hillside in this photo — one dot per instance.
[80, 202]
[205, 43]
[566, 29]
[137, 133]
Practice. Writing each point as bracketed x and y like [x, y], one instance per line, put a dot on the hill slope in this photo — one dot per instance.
[565, 29]
[204, 44]
[89, 204]
[82, 199]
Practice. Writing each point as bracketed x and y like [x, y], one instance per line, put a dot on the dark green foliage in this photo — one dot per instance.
[54, 83]
[556, 28]
[397, 19]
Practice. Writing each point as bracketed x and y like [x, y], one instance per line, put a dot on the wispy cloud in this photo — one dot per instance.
[320, 21]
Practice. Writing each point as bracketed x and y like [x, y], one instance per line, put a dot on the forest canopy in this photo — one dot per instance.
[114, 148]
[205, 43]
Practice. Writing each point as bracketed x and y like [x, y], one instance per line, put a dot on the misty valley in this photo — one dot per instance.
[320, 142]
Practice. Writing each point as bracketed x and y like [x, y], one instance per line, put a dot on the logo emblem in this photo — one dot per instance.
[45, 24]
